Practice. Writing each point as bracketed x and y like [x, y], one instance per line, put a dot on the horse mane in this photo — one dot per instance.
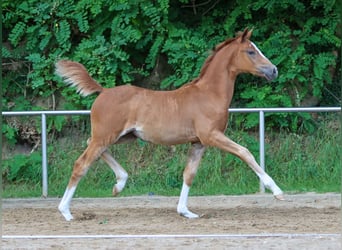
[211, 57]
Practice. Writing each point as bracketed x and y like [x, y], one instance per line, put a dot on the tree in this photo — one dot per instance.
[126, 41]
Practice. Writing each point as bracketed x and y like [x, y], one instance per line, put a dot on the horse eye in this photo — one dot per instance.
[251, 52]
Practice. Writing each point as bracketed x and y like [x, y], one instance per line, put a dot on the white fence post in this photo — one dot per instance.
[44, 157]
[262, 145]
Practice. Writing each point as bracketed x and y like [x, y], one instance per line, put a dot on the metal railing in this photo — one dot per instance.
[261, 112]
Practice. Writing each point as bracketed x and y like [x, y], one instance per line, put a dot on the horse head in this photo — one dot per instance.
[249, 59]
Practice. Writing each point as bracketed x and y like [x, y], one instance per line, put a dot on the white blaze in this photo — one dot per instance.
[256, 48]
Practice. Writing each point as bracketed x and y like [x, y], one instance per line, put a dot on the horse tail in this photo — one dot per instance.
[76, 75]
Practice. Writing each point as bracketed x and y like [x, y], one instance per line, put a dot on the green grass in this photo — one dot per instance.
[297, 162]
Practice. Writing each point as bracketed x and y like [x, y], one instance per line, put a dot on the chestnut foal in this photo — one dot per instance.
[195, 113]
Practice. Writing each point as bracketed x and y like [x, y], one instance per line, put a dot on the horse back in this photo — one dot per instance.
[162, 117]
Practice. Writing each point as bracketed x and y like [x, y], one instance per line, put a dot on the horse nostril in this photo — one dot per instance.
[269, 71]
[275, 71]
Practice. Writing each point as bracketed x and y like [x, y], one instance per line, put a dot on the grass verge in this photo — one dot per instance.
[297, 162]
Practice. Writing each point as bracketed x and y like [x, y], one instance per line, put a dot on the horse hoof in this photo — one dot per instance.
[66, 213]
[280, 197]
[67, 216]
[115, 191]
[188, 214]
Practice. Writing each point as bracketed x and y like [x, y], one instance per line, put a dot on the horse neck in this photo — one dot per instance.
[219, 77]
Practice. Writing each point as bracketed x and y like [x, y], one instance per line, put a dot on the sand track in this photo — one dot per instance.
[304, 221]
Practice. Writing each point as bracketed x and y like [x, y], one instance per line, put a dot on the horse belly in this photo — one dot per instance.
[165, 136]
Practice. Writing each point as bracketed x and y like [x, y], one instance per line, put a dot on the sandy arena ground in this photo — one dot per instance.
[304, 221]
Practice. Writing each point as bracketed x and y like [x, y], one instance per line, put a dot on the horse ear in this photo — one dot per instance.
[246, 34]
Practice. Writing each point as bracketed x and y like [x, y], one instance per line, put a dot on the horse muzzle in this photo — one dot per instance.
[269, 72]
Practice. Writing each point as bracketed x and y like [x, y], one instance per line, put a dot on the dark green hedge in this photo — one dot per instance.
[124, 41]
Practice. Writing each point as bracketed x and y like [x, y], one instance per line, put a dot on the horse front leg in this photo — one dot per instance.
[120, 173]
[81, 167]
[218, 139]
[195, 155]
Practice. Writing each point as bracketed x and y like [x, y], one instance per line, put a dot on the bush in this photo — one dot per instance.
[22, 168]
[123, 41]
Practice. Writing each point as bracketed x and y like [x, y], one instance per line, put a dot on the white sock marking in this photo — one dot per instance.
[64, 205]
[269, 183]
[182, 208]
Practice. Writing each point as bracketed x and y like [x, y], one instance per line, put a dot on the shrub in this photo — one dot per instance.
[121, 42]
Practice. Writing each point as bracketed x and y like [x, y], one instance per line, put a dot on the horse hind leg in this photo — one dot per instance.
[81, 167]
[120, 173]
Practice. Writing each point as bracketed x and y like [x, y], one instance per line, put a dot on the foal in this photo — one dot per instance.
[195, 113]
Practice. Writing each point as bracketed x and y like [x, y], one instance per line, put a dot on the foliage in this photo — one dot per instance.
[22, 168]
[304, 46]
[10, 134]
[121, 42]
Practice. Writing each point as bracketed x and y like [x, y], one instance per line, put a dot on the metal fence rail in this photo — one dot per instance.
[261, 112]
